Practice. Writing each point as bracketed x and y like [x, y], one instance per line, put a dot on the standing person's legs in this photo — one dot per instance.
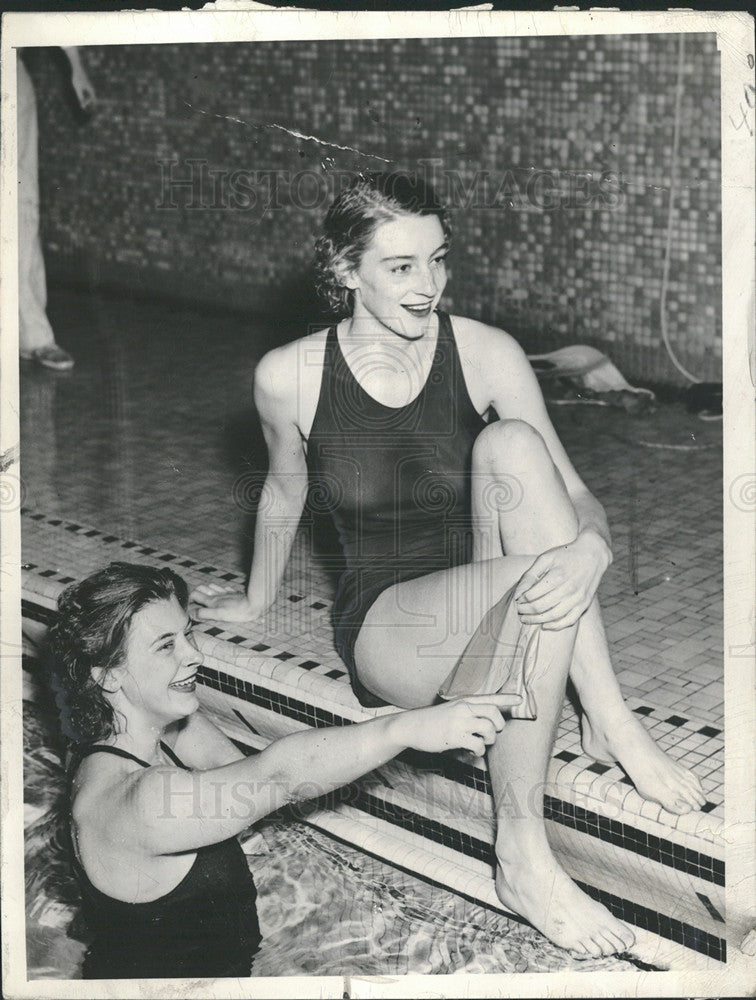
[36, 338]
[514, 456]
[529, 879]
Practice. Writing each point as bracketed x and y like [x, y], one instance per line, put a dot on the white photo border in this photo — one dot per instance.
[735, 42]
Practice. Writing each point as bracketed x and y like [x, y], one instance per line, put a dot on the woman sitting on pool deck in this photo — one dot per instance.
[386, 411]
[158, 794]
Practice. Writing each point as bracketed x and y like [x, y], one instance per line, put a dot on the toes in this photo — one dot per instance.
[585, 950]
[591, 946]
[603, 942]
[686, 795]
[612, 941]
[585, 947]
[695, 798]
[610, 944]
[692, 781]
[601, 946]
[627, 937]
[699, 797]
[580, 953]
[621, 938]
[693, 791]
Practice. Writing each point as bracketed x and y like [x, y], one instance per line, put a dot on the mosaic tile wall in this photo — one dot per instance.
[195, 176]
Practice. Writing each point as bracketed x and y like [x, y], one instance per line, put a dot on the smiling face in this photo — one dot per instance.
[401, 275]
[156, 677]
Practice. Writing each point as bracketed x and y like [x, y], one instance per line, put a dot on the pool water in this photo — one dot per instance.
[325, 908]
[329, 909]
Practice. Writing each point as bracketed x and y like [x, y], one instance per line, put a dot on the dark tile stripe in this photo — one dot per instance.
[668, 927]
[632, 839]
[37, 613]
[145, 550]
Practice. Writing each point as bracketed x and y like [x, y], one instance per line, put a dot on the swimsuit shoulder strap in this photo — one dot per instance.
[116, 751]
[446, 331]
[333, 358]
[454, 374]
[174, 757]
[325, 392]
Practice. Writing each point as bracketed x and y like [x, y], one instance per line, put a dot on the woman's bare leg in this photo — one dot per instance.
[514, 486]
[612, 732]
[538, 515]
[415, 633]
[411, 640]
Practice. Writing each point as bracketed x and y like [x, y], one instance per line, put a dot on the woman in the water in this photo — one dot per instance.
[158, 794]
[387, 410]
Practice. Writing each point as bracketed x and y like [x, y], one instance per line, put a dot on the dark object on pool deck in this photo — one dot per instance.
[705, 399]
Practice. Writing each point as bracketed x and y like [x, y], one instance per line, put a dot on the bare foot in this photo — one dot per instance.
[542, 892]
[655, 775]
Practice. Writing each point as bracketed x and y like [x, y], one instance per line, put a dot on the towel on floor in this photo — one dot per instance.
[593, 375]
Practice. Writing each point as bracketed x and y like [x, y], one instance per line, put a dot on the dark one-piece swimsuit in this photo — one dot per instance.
[396, 481]
[205, 926]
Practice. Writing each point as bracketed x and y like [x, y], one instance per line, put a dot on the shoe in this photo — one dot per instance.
[52, 357]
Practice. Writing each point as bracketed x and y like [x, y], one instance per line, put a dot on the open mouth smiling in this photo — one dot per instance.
[188, 684]
[421, 311]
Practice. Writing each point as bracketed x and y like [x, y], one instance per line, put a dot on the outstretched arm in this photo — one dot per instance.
[170, 810]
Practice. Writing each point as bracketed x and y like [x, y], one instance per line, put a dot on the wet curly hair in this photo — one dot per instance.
[354, 216]
[94, 616]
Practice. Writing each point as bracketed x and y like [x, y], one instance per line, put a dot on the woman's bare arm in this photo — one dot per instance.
[165, 810]
[285, 489]
[282, 497]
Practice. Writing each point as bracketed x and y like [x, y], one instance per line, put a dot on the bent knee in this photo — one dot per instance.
[512, 441]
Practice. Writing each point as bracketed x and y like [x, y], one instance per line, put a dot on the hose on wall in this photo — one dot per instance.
[671, 213]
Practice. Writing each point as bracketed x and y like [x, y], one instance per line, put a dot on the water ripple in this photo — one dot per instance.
[327, 909]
